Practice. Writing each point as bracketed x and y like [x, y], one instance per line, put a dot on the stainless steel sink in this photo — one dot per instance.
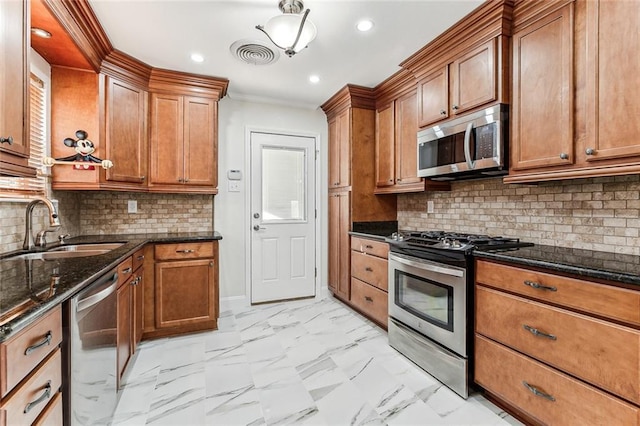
[70, 251]
[53, 255]
[87, 247]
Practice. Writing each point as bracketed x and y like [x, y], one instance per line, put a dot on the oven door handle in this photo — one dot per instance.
[426, 266]
[467, 147]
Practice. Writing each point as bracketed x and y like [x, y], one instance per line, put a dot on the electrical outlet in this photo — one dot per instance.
[234, 186]
[132, 206]
[430, 206]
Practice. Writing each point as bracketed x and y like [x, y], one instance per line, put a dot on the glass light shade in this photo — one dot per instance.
[283, 30]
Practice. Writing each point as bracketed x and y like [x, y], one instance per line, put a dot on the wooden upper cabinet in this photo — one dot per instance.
[385, 146]
[468, 82]
[340, 150]
[613, 88]
[542, 105]
[126, 131]
[183, 141]
[474, 78]
[14, 99]
[433, 97]
[406, 156]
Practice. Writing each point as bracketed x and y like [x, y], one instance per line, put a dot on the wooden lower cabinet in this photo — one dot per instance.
[181, 295]
[545, 394]
[369, 278]
[339, 227]
[553, 350]
[124, 328]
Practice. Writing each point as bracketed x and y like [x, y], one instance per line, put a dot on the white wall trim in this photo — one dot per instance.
[247, 219]
[232, 303]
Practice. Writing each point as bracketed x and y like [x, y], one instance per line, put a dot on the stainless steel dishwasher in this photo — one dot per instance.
[90, 360]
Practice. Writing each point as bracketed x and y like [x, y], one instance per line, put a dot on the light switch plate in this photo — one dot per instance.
[132, 206]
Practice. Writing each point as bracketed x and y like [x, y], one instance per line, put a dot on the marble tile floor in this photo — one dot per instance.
[309, 362]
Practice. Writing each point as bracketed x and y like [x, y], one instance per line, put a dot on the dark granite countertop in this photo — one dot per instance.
[619, 268]
[30, 288]
[374, 230]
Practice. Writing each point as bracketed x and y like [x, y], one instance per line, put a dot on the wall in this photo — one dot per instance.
[232, 208]
[597, 214]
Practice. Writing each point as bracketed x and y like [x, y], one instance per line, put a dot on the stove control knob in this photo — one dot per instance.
[455, 244]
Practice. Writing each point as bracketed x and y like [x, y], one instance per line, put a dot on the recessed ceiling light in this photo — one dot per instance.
[364, 25]
[314, 79]
[196, 57]
[40, 32]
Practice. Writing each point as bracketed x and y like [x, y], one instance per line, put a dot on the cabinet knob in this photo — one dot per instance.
[590, 151]
[211, 264]
[186, 180]
[8, 140]
[143, 177]
[399, 180]
[455, 107]
[564, 156]
[443, 112]
[180, 180]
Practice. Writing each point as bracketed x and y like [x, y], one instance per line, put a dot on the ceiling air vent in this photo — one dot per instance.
[254, 52]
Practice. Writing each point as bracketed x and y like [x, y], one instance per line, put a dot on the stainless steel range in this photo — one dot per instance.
[431, 300]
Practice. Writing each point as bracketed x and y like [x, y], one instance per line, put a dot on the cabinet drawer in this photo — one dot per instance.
[52, 414]
[602, 353]
[125, 270]
[609, 301]
[184, 251]
[375, 248]
[504, 373]
[372, 301]
[33, 395]
[23, 352]
[137, 259]
[370, 269]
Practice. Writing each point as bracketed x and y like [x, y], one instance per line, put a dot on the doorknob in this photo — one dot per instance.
[258, 227]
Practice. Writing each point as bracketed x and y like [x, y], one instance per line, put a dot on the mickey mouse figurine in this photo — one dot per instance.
[84, 149]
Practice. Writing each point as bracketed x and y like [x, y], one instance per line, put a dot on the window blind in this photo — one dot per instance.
[38, 138]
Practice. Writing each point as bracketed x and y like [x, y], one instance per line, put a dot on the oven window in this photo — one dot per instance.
[426, 299]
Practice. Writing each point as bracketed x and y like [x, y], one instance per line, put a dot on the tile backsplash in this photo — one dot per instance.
[596, 214]
[102, 212]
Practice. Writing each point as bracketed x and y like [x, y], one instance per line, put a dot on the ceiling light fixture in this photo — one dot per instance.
[40, 32]
[314, 79]
[196, 57]
[364, 25]
[291, 31]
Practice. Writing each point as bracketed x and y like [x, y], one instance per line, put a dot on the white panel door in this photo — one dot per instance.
[282, 217]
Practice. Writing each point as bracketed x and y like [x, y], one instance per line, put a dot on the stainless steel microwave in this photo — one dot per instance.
[473, 145]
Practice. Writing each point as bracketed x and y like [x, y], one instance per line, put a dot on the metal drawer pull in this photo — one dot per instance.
[45, 341]
[127, 270]
[538, 392]
[368, 246]
[185, 251]
[539, 286]
[368, 299]
[368, 269]
[537, 332]
[140, 258]
[44, 396]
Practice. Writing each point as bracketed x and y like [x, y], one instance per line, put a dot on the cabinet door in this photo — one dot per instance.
[406, 130]
[385, 146]
[474, 78]
[14, 105]
[166, 139]
[542, 118]
[339, 251]
[185, 293]
[433, 97]
[340, 150]
[124, 327]
[200, 148]
[613, 88]
[126, 132]
[137, 305]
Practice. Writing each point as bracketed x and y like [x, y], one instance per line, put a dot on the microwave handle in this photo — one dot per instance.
[467, 148]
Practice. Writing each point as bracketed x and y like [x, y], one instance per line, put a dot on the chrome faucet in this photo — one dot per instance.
[54, 223]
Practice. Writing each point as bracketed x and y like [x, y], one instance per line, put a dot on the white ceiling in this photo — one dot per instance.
[164, 33]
